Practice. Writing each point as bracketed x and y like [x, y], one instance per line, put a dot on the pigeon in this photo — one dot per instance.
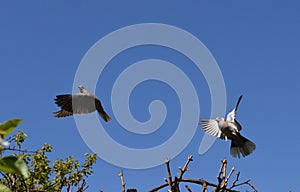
[80, 103]
[229, 129]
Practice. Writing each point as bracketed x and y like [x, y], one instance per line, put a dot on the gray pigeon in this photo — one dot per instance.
[229, 129]
[81, 103]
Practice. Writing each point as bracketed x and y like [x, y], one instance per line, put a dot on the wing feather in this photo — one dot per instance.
[76, 104]
[80, 103]
[211, 127]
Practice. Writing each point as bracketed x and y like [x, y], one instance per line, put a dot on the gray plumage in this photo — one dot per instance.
[229, 129]
[81, 103]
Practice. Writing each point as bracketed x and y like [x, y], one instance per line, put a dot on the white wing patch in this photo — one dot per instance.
[211, 127]
[231, 116]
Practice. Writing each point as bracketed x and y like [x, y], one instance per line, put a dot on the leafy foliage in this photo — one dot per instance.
[3, 188]
[9, 126]
[13, 164]
[32, 170]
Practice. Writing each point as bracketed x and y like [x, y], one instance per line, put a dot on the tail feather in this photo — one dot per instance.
[245, 148]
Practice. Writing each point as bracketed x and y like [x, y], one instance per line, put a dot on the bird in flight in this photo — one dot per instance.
[229, 129]
[80, 103]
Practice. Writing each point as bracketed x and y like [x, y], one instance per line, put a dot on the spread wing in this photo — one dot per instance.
[211, 127]
[79, 104]
[74, 104]
[231, 116]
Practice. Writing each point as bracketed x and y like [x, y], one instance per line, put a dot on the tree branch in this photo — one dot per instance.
[169, 172]
[220, 186]
[188, 188]
[236, 180]
[245, 183]
[122, 181]
[182, 171]
[221, 171]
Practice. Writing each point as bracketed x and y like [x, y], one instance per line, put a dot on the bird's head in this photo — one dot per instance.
[81, 88]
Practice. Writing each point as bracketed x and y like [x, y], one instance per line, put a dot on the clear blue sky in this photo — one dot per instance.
[255, 43]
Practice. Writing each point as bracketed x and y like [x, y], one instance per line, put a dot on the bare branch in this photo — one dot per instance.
[221, 171]
[225, 168]
[230, 173]
[166, 180]
[250, 184]
[18, 150]
[175, 186]
[236, 180]
[82, 187]
[245, 183]
[224, 162]
[122, 181]
[220, 186]
[169, 172]
[187, 188]
[204, 187]
[225, 181]
[158, 187]
[182, 171]
[204, 182]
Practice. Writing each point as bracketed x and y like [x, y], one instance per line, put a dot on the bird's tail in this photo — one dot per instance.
[105, 117]
[242, 146]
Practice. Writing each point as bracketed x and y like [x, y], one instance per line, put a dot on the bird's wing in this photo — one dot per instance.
[231, 116]
[211, 127]
[101, 111]
[62, 113]
[238, 125]
[64, 101]
[76, 104]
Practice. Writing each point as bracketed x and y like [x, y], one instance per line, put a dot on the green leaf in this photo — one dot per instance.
[10, 125]
[3, 188]
[13, 164]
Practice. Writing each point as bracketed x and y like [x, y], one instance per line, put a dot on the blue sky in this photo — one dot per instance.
[256, 45]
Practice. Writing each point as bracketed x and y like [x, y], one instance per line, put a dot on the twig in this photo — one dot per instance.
[187, 188]
[195, 181]
[224, 162]
[18, 150]
[166, 180]
[236, 180]
[221, 171]
[226, 180]
[182, 171]
[204, 187]
[122, 181]
[204, 182]
[175, 186]
[131, 190]
[220, 186]
[82, 187]
[250, 184]
[169, 172]
[245, 183]
[158, 187]
[230, 173]
[225, 168]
